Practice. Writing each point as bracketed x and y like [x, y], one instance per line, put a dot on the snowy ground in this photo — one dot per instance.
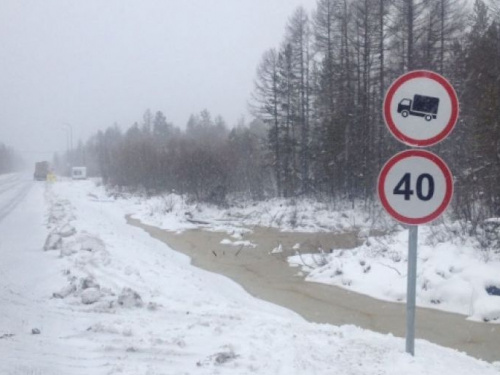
[454, 272]
[84, 293]
[452, 275]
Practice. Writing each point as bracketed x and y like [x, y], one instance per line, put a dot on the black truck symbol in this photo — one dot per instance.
[421, 105]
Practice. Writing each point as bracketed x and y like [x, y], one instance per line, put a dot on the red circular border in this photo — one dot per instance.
[388, 116]
[423, 154]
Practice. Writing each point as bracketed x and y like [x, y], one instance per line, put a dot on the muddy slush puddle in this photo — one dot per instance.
[269, 277]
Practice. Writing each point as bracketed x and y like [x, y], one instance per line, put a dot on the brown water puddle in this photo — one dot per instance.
[270, 278]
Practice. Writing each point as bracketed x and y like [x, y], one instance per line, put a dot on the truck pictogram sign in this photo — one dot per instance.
[421, 108]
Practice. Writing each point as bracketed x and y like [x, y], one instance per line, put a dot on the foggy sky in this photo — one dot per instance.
[87, 64]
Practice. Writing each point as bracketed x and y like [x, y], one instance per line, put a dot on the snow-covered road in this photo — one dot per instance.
[105, 298]
[13, 189]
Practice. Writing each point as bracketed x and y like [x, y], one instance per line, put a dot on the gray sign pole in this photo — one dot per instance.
[411, 290]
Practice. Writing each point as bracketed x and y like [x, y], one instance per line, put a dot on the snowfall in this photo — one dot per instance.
[83, 292]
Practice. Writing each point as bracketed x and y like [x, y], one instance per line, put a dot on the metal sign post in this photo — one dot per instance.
[411, 289]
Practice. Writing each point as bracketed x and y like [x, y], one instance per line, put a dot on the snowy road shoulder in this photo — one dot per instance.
[106, 298]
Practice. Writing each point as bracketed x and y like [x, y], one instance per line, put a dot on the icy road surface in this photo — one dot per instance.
[106, 298]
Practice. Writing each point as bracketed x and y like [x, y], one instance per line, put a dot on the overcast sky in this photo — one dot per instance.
[91, 63]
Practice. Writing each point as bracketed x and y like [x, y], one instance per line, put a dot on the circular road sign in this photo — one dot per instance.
[421, 108]
[415, 186]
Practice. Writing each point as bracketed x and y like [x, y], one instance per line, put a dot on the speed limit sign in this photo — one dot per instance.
[415, 186]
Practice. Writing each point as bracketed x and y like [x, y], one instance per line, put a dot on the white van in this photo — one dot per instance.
[79, 173]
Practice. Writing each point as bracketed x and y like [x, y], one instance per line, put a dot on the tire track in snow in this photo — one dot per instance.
[8, 182]
[7, 204]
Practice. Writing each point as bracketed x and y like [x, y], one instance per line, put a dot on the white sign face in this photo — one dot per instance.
[415, 186]
[421, 108]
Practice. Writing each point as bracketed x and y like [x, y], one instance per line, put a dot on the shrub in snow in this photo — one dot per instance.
[129, 298]
[90, 296]
[293, 219]
[489, 235]
[53, 242]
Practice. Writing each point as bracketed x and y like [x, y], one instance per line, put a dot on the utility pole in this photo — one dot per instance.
[70, 127]
[69, 144]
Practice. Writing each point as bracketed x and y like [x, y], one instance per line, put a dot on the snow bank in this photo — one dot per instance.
[452, 275]
[177, 213]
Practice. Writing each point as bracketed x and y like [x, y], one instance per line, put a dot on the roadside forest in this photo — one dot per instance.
[317, 128]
